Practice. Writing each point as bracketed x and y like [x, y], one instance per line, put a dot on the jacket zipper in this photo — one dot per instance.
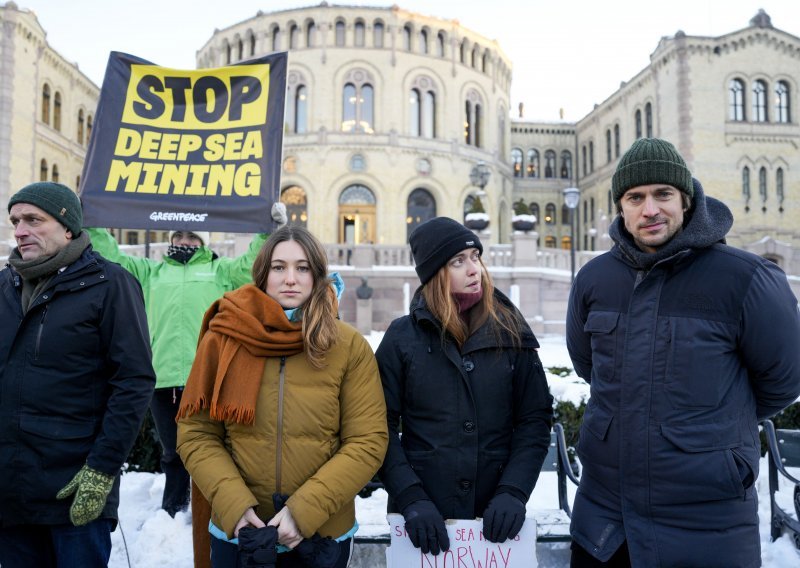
[278, 452]
[39, 333]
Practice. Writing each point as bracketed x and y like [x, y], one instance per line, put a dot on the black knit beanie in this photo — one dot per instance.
[648, 161]
[54, 198]
[435, 242]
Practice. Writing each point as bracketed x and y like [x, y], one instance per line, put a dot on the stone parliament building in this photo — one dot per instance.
[389, 111]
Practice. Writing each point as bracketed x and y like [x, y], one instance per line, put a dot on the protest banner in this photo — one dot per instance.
[176, 149]
[468, 547]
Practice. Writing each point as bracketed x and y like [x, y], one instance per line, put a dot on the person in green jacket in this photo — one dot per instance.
[177, 291]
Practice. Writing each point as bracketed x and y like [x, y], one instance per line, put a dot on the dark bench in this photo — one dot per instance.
[552, 524]
[784, 451]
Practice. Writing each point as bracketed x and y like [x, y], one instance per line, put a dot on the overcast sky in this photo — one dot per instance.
[568, 54]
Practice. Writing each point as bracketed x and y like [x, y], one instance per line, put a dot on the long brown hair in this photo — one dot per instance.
[442, 305]
[319, 311]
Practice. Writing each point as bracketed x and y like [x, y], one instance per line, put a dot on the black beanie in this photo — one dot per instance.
[435, 242]
[648, 161]
[54, 198]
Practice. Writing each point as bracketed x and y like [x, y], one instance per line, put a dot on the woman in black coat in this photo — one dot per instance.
[462, 374]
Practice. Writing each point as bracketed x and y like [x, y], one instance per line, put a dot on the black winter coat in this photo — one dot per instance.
[473, 419]
[686, 350]
[75, 382]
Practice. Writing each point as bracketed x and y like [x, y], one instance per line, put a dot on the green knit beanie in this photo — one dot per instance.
[54, 198]
[648, 161]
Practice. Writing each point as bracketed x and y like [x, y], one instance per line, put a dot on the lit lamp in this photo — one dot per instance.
[572, 195]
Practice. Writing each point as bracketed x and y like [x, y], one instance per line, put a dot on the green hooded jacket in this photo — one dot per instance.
[176, 296]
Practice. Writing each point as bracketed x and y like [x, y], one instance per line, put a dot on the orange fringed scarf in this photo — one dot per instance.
[238, 332]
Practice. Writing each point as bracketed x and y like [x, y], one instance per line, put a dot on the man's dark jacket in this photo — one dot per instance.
[686, 349]
[75, 382]
[472, 420]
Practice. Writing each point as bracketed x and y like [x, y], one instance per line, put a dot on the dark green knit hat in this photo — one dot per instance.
[54, 198]
[651, 160]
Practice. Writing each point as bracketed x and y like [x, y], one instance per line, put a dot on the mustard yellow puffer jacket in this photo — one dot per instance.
[320, 444]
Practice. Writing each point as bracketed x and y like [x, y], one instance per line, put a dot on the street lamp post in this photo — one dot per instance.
[572, 195]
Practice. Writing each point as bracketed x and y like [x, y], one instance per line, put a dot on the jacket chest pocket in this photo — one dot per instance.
[700, 360]
[603, 328]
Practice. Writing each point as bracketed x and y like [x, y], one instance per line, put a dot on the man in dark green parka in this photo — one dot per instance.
[687, 344]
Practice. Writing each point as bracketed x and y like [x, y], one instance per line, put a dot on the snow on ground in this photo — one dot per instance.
[153, 539]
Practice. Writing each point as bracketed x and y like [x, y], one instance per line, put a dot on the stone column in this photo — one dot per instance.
[364, 308]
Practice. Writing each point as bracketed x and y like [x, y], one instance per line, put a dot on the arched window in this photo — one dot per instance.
[736, 100]
[779, 187]
[648, 120]
[583, 159]
[339, 33]
[550, 214]
[566, 164]
[566, 243]
[485, 62]
[276, 38]
[54, 174]
[762, 184]
[414, 113]
[516, 161]
[616, 140]
[78, 186]
[88, 128]
[463, 52]
[359, 33]
[565, 213]
[782, 102]
[759, 101]
[473, 119]
[81, 123]
[294, 36]
[422, 108]
[43, 170]
[421, 207]
[57, 111]
[534, 207]
[240, 50]
[746, 184]
[251, 38]
[295, 200]
[550, 242]
[358, 103]
[550, 164]
[533, 163]
[608, 145]
[440, 44]
[423, 42]
[357, 215]
[46, 104]
[377, 34]
[301, 109]
[475, 57]
[591, 156]
[228, 51]
[407, 37]
[638, 121]
[311, 33]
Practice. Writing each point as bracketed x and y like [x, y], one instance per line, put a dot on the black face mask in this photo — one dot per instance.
[181, 253]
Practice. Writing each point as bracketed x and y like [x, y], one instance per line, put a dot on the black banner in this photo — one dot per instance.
[174, 149]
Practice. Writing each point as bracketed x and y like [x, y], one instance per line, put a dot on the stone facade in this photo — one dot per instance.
[46, 109]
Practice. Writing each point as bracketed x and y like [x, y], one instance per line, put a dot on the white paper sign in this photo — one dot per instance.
[468, 547]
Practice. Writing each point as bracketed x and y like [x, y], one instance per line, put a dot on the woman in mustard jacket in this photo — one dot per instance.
[283, 398]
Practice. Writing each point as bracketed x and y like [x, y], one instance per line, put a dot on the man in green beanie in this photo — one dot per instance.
[75, 382]
[687, 343]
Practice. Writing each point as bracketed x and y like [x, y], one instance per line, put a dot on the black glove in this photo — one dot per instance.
[257, 547]
[503, 517]
[318, 552]
[425, 527]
